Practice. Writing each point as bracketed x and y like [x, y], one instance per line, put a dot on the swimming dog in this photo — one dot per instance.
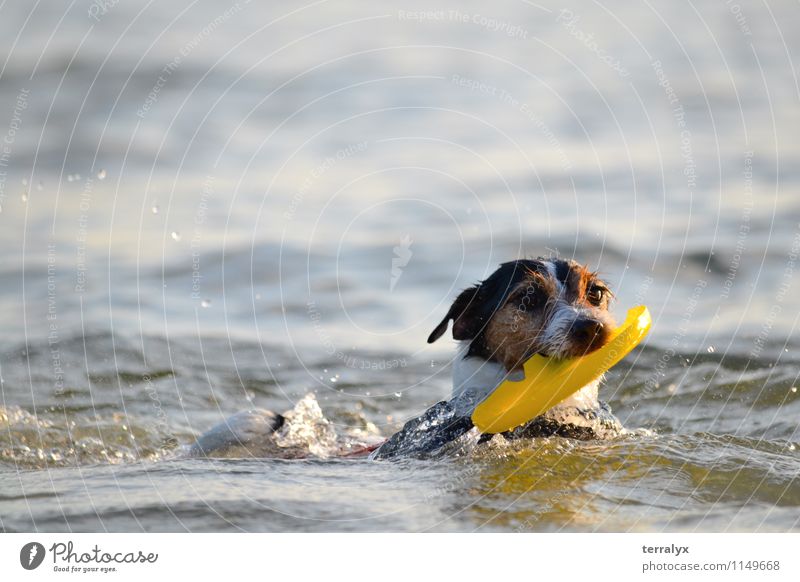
[554, 307]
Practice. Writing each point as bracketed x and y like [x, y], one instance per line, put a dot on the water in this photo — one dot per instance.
[208, 211]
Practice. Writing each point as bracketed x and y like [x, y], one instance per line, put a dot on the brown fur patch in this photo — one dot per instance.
[513, 332]
[577, 281]
[512, 335]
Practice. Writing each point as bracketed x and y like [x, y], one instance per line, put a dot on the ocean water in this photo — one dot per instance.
[206, 208]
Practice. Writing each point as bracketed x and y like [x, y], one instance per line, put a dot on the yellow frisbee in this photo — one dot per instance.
[548, 381]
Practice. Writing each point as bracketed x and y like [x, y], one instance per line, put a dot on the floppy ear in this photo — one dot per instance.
[475, 305]
[458, 310]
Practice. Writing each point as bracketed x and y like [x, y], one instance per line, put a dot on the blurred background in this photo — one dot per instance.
[215, 206]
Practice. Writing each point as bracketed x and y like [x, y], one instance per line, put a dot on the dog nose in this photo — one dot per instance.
[587, 330]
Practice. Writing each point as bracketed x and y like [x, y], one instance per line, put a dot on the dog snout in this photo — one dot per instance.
[590, 334]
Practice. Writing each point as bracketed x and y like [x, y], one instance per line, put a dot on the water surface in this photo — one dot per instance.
[208, 208]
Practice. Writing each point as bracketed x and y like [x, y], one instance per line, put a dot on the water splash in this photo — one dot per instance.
[60, 440]
[307, 430]
[303, 432]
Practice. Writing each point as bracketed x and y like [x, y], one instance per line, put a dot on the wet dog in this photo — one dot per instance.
[554, 307]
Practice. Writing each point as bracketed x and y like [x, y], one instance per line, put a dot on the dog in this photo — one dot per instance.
[554, 307]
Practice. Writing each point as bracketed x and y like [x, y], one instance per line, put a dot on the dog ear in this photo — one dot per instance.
[476, 305]
[458, 310]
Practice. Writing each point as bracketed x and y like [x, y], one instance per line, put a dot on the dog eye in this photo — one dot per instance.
[596, 294]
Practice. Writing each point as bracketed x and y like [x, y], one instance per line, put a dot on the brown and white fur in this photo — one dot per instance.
[554, 307]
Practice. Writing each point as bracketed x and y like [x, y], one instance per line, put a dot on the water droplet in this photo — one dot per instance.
[24, 181]
[258, 295]
[40, 186]
[70, 178]
[154, 210]
[334, 380]
[711, 349]
[398, 394]
[793, 388]
[325, 370]
[176, 236]
[205, 303]
[101, 175]
[24, 196]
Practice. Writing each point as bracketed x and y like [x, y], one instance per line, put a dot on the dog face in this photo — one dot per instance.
[552, 307]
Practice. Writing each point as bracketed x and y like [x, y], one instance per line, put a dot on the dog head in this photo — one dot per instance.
[553, 307]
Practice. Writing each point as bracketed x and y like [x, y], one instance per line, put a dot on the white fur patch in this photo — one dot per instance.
[474, 379]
